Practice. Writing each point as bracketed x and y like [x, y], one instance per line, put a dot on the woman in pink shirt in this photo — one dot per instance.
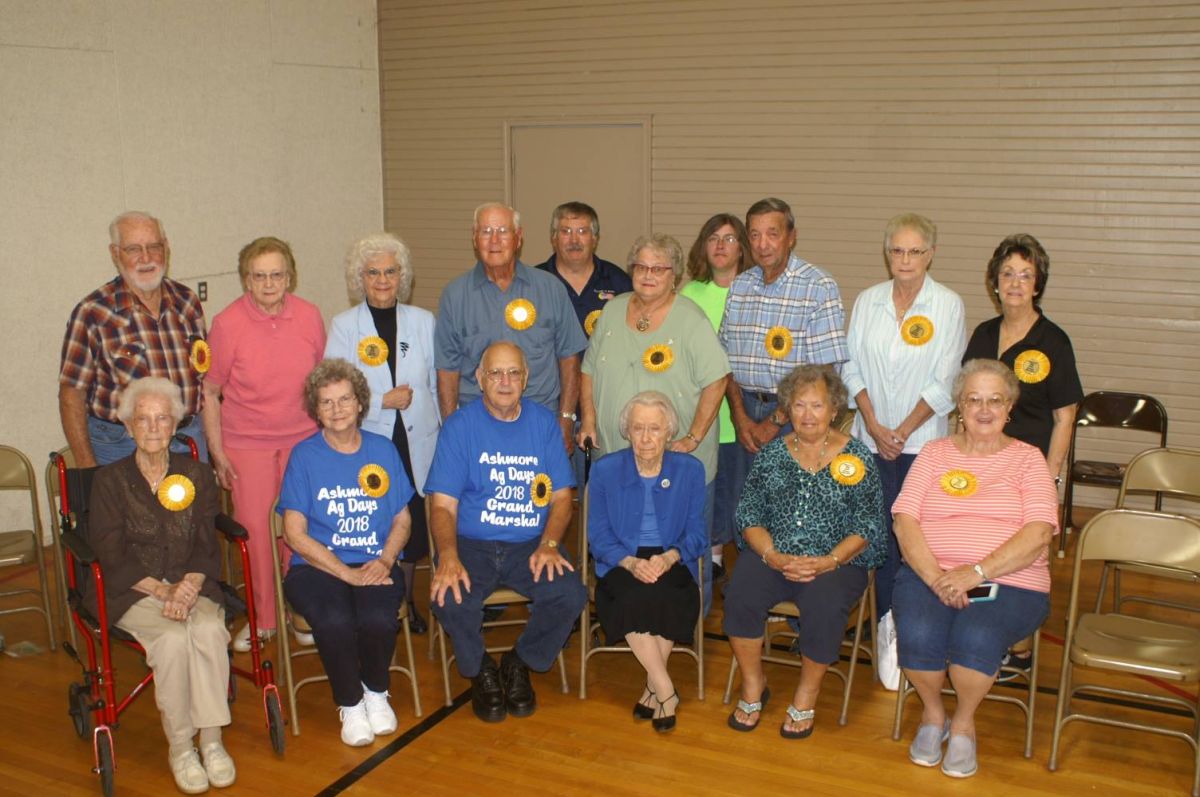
[264, 344]
[978, 507]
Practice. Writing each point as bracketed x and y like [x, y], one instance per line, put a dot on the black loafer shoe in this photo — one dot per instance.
[487, 696]
[518, 691]
[416, 623]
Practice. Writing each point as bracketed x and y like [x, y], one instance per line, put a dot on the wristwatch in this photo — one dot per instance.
[978, 568]
[551, 544]
[569, 416]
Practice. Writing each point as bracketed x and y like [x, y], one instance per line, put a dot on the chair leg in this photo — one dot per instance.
[562, 671]
[585, 633]
[901, 695]
[853, 663]
[436, 628]
[44, 580]
[412, 668]
[1060, 707]
[1032, 698]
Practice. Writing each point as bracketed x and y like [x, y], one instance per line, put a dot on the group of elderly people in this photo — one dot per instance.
[343, 434]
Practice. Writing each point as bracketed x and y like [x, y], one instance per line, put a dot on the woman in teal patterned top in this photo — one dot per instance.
[812, 525]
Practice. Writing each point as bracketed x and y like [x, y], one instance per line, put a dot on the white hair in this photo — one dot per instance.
[367, 249]
[114, 232]
[150, 386]
[516, 214]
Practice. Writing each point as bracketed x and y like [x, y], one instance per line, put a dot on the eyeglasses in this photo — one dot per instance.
[729, 239]
[654, 271]
[499, 374]
[499, 232]
[274, 276]
[388, 273]
[979, 402]
[566, 232]
[324, 405]
[152, 251]
[897, 253]
[1017, 276]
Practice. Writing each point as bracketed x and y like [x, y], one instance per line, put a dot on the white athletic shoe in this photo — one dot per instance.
[356, 728]
[379, 712]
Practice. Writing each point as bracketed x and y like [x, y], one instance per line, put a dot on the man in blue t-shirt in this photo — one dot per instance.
[501, 500]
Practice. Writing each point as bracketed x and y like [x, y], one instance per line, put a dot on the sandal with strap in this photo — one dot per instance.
[798, 715]
[665, 722]
[749, 708]
[641, 709]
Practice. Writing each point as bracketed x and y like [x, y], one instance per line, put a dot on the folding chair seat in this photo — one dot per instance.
[20, 547]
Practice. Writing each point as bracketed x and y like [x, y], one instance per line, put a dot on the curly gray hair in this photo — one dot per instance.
[982, 365]
[150, 386]
[649, 398]
[331, 371]
[367, 249]
[664, 245]
[804, 375]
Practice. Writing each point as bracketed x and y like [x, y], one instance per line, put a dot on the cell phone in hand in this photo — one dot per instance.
[984, 592]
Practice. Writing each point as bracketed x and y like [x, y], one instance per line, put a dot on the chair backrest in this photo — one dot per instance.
[1171, 471]
[1133, 535]
[1108, 408]
[16, 472]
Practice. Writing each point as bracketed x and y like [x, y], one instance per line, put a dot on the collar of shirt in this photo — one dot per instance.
[127, 302]
[258, 314]
[479, 276]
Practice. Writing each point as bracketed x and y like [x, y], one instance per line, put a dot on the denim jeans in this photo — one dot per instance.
[739, 463]
[111, 441]
[554, 605]
[891, 474]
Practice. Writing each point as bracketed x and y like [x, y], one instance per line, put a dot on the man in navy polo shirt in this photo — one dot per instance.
[501, 488]
[590, 281]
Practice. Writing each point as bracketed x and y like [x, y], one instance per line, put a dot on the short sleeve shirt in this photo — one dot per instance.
[1033, 415]
[502, 473]
[607, 280]
[471, 316]
[113, 339]
[324, 485]
[710, 297]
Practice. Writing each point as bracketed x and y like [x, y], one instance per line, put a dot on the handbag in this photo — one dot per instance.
[887, 662]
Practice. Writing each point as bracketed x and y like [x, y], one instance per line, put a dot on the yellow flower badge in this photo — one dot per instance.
[176, 492]
[520, 314]
[373, 350]
[373, 480]
[657, 359]
[959, 483]
[847, 469]
[779, 342]
[541, 489]
[917, 330]
[200, 356]
[1031, 366]
[589, 323]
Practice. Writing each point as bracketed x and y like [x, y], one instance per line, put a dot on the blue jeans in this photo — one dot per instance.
[930, 634]
[727, 494]
[741, 460]
[111, 441]
[554, 605]
[891, 474]
[709, 499]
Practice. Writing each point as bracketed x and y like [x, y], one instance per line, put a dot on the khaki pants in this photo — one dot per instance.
[190, 662]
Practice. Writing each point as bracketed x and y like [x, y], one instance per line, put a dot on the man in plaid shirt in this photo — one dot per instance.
[780, 293]
[138, 324]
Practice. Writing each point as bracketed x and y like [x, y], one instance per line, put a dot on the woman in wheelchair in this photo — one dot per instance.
[646, 531]
[977, 510]
[344, 504]
[812, 525]
[152, 517]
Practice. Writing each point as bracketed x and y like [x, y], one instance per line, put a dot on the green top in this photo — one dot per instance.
[711, 298]
[614, 363]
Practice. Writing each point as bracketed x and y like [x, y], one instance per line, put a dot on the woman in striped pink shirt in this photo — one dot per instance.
[978, 507]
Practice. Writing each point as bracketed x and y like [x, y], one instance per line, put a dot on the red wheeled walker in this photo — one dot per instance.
[93, 703]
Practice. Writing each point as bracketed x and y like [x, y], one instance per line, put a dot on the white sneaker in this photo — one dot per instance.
[379, 712]
[356, 728]
[218, 765]
[241, 642]
[189, 775]
[304, 638]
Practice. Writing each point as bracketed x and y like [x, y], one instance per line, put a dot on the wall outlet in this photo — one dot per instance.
[202, 290]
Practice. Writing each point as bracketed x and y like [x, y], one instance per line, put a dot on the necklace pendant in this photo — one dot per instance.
[643, 323]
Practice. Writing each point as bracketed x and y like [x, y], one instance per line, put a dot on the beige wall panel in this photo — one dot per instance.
[321, 33]
[1079, 124]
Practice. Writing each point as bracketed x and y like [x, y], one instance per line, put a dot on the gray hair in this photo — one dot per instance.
[982, 365]
[330, 371]
[150, 386]
[771, 205]
[804, 375]
[114, 232]
[910, 221]
[516, 214]
[663, 244]
[649, 398]
[574, 209]
[366, 249]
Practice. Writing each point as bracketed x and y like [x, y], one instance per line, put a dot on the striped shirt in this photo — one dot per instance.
[113, 339]
[1004, 491]
[804, 300]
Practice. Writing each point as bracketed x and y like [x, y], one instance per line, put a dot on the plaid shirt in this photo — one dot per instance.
[805, 300]
[113, 339]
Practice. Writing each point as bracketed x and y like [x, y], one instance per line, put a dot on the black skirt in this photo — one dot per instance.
[666, 608]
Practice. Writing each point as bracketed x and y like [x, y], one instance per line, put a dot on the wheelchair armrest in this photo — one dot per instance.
[231, 528]
[78, 547]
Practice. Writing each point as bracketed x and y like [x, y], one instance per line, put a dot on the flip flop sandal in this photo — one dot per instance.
[798, 715]
[749, 708]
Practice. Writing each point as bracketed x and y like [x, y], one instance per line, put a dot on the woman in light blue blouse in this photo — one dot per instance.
[812, 525]
[906, 339]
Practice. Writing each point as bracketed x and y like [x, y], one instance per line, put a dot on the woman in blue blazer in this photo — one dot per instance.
[646, 531]
[392, 344]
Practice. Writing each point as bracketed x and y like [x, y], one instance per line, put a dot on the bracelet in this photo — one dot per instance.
[769, 550]
[836, 562]
[693, 438]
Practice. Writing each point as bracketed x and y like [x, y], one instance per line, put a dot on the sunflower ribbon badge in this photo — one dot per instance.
[176, 492]
[779, 342]
[200, 357]
[959, 483]
[373, 480]
[1031, 366]
[541, 489]
[520, 314]
[589, 323]
[847, 469]
[657, 359]
[917, 330]
[373, 350]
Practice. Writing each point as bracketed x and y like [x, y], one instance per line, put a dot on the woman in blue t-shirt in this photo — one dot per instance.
[344, 503]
